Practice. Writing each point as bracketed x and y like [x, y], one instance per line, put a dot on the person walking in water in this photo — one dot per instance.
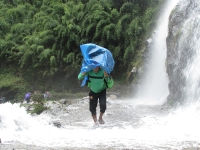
[98, 82]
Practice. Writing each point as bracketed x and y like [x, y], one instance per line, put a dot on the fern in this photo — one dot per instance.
[44, 55]
[108, 32]
[99, 26]
[53, 61]
[126, 8]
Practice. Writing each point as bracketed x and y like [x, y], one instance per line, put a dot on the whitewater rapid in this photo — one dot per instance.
[128, 126]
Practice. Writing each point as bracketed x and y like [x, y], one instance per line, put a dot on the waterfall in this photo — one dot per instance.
[154, 86]
[191, 72]
[183, 60]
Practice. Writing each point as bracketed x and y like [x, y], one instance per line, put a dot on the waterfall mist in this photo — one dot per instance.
[154, 86]
[191, 72]
[183, 60]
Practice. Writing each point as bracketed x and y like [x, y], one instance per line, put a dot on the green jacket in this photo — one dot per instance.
[97, 81]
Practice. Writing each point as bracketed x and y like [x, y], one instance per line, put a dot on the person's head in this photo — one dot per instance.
[96, 69]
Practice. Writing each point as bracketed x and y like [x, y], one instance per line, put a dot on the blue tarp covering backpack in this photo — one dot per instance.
[94, 56]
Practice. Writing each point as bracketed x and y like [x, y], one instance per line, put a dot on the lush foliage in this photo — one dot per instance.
[40, 39]
[39, 104]
[39, 108]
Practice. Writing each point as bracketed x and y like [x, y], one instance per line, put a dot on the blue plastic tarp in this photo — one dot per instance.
[94, 55]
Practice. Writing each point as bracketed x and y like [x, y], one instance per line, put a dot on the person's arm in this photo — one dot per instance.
[82, 75]
[107, 77]
[105, 74]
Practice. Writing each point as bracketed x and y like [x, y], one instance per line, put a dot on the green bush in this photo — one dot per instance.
[37, 98]
[38, 104]
[39, 108]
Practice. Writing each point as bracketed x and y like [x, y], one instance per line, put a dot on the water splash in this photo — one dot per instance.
[143, 129]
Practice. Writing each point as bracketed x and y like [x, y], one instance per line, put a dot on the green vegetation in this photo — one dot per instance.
[40, 39]
[38, 108]
[38, 104]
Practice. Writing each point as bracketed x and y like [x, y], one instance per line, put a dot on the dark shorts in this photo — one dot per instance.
[93, 101]
[27, 100]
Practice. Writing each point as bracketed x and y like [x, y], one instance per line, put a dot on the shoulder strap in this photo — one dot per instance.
[95, 77]
[99, 78]
[106, 83]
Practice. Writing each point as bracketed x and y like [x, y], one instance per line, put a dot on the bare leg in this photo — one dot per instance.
[94, 118]
[100, 116]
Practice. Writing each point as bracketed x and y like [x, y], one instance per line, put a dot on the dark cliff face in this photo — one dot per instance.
[180, 47]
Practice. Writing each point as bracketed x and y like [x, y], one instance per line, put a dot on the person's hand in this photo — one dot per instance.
[83, 74]
[105, 74]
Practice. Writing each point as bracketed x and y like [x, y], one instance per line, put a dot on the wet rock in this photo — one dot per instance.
[63, 101]
[87, 97]
[57, 124]
[30, 108]
[181, 50]
[112, 96]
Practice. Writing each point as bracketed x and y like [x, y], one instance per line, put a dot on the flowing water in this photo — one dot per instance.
[139, 123]
[154, 83]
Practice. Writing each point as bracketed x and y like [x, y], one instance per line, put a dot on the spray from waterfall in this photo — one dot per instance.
[191, 72]
[184, 54]
[153, 90]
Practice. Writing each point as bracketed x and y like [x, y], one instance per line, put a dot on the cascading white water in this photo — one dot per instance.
[191, 72]
[153, 89]
[128, 125]
[184, 54]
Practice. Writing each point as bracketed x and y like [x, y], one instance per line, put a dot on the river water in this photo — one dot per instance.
[141, 122]
[128, 126]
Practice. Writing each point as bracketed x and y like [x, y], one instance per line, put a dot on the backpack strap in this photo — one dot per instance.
[98, 78]
[106, 83]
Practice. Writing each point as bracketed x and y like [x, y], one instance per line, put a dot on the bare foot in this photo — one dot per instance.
[101, 121]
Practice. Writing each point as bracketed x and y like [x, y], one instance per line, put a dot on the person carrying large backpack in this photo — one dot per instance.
[98, 82]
